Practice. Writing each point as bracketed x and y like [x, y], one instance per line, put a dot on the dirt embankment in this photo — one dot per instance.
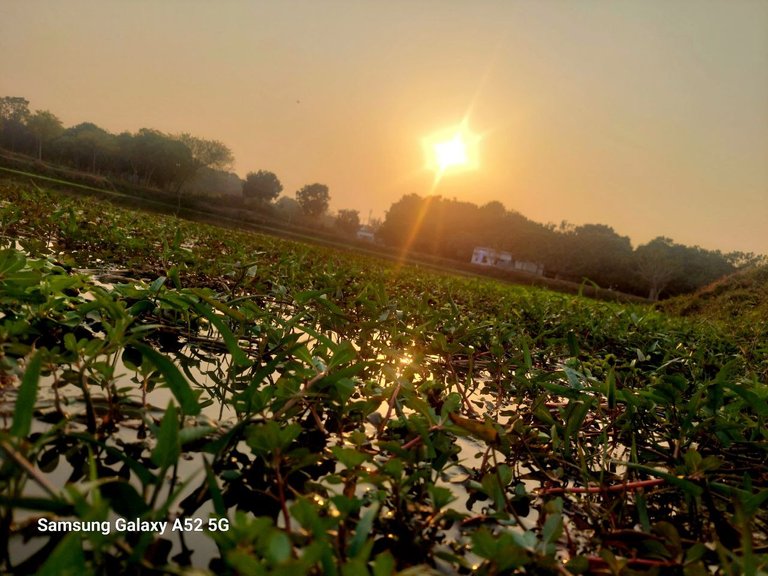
[745, 292]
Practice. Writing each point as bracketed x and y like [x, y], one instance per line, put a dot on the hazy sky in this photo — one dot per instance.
[649, 116]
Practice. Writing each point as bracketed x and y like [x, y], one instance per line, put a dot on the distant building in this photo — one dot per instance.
[365, 233]
[483, 256]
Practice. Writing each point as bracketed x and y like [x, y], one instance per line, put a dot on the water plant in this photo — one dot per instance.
[255, 405]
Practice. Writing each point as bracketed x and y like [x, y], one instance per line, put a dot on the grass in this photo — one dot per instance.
[324, 412]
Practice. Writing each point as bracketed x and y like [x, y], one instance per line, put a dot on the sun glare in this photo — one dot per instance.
[452, 150]
[450, 153]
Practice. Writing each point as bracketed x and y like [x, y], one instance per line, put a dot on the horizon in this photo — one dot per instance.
[647, 117]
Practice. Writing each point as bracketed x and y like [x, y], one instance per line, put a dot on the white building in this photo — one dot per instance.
[483, 256]
[365, 233]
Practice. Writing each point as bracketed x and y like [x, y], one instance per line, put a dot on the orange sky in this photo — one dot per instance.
[649, 116]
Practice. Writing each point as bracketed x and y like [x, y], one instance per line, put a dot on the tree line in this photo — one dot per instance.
[593, 252]
[147, 158]
[442, 227]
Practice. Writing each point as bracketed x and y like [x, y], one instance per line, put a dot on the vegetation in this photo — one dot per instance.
[739, 303]
[348, 221]
[452, 229]
[313, 199]
[195, 171]
[262, 186]
[321, 412]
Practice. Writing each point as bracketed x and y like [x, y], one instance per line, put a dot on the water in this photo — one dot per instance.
[123, 410]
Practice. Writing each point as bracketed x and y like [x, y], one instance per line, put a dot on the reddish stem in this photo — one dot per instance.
[635, 561]
[416, 441]
[599, 489]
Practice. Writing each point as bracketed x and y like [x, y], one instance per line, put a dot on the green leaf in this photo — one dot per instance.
[215, 491]
[268, 437]
[611, 392]
[25, 401]
[10, 261]
[363, 530]
[279, 547]
[343, 353]
[754, 502]
[355, 567]
[350, 457]
[484, 544]
[175, 380]
[173, 274]
[240, 358]
[124, 498]
[191, 433]
[527, 355]
[642, 511]
[440, 496]
[575, 420]
[573, 345]
[578, 565]
[384, 564]
[168, 447]
[157, 284]
[553, 528]
[59, 508]
[67, 559]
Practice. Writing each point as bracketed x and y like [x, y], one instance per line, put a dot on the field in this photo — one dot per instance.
[205, 400]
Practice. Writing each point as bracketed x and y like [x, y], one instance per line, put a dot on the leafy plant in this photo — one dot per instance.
[330, 413]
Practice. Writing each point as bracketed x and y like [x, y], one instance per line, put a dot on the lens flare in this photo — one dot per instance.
[451, 151]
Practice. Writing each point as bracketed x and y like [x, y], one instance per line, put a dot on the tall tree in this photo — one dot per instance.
[207, 153]
[314, 199]
[348, 221]
[671, 269]
[262, 186]
[657, 264]
[160, 160]
[45, 126]
[600, 254]
[14, 113]
[400, 221]
[288, 208]
[14, 108]
[742, 260]
[85, 144]
[204, 154]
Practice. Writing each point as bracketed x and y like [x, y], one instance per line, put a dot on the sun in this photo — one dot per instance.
[451, 153]
[451, 150]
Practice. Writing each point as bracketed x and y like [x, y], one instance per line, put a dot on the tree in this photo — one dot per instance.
[14, 108]
[156, 159]
[204, 154]
[14, 113]
[211, 183]
[313, 199]
[348, 221]
[741, 260]
[85, 143]
[45, 126]
[672, 269]
[658, 264]
[207, 153]
[597, 252]
[408, 222]
[288, 208]
[262, 186]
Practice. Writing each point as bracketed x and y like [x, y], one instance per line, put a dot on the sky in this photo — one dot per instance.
[649, 116]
